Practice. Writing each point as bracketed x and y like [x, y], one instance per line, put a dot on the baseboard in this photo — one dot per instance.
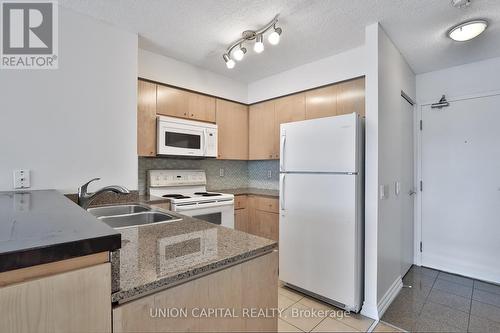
[389, 296]
[370, 311]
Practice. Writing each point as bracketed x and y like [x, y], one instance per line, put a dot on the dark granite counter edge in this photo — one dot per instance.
[62, 251]
[174, 280]
[251, 191]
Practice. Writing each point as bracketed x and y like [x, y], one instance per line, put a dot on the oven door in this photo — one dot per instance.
[220, 213]
[180, 140]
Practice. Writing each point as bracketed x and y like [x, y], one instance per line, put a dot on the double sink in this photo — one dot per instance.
[130, 215]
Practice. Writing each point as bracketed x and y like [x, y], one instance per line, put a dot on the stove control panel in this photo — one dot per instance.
[165, 178]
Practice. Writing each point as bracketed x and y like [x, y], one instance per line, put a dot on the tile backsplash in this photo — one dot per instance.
[237, 174]
[258, 174]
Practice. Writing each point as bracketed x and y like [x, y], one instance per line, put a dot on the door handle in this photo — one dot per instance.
[412, 193]
[205, 138]
[282, 152]
[282, 191]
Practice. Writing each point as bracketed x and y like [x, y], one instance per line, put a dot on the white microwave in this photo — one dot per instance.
[182, 137]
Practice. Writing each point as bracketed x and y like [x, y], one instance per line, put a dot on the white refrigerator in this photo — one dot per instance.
[321, 209]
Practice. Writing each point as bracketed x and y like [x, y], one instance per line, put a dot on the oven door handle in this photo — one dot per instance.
[181, 208]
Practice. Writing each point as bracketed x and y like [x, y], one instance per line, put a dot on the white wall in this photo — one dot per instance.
[328, 70]
[177, 73]
[388, 74]
[79, 121]
[459, 81]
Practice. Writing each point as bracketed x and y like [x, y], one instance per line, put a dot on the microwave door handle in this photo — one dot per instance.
[205, 139]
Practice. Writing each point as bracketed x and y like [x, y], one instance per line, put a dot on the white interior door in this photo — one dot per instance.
[407, 186]
[319, 235]
[461, 187]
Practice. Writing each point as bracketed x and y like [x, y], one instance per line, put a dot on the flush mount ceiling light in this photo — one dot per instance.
[237, 51]
[467, 30]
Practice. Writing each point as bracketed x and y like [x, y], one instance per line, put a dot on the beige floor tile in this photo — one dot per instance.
[313, 303]
[303, 317]
[290, 293]
[357, 321]
[283, 326]
[381, 327]
[284, 302]
[333, 325]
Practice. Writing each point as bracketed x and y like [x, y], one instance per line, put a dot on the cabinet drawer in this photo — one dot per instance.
[267, 204]
[240, 201]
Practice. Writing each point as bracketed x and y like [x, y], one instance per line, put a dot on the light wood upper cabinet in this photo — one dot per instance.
[288, 109]
[351, 97]
[202, 107]
[146, 119]
[185, 104]
[262, 135]
[232, 122]
[321, 102]
[172, 102]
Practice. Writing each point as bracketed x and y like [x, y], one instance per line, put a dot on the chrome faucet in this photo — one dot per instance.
[85, 198]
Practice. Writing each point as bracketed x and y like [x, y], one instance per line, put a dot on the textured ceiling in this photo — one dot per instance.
[198, 31]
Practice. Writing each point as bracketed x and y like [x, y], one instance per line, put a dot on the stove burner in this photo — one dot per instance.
[207, 194]
[175, 196]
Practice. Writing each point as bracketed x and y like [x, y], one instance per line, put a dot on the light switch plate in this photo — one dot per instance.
[383, 192]
[221, 172]
[269, 174]
[22, 178]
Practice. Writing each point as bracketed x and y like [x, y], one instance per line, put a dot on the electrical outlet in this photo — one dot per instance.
[22, 178]
[221, 172]
[269, 174]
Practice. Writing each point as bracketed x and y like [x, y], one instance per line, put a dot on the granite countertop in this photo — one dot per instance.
[160, 256]
[110, 198]
[38, 227]
[251, 190]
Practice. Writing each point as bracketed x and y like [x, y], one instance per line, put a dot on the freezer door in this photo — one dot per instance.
[320, 145]
[320, 236]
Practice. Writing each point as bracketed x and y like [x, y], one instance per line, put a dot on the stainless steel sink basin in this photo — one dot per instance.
[118, 210]
[137, 219]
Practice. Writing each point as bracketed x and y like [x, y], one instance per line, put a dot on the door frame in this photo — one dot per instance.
[416, 176]
[418, 162]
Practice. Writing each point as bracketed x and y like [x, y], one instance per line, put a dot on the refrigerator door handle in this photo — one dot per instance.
[282, 151]
[282, 191]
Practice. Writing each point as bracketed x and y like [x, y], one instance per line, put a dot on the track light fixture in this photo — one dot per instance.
[259, 44]
[237, 51]
[229, 62]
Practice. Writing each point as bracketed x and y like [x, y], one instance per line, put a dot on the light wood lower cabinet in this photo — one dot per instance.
[232, 123]
[259, 217]
[74, 301]
[251, 284]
